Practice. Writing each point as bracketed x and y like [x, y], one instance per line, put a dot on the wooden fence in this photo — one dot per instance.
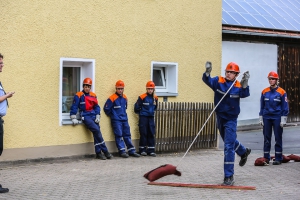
[178, 123]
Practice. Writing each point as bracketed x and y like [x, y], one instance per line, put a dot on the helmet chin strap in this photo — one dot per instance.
[273, 86]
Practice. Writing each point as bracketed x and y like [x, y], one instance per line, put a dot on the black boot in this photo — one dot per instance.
[277, 162]
[228, 181]
[134, 154]
[244, 157]
[100, 156]
[3, 190]
[124, 155]
[108, 155]
[152, 154]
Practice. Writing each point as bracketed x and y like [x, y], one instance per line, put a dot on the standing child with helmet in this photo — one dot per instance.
[115, 107]
[273, 114]
[227, 113]
[89, 109]
[145, 107]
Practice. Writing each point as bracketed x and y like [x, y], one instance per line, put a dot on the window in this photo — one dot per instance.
[165, 77]
[72, 73]
[159, 77]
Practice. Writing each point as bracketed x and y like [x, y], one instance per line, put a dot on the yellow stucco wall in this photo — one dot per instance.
[123, 36]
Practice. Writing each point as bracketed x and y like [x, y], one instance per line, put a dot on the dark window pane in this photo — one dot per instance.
[157, 77]
[71, 85]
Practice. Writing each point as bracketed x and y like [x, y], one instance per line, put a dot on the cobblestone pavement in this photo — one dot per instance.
[119, 178]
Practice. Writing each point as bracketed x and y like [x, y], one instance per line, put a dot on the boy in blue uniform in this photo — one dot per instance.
[115, 107]
[145, 107]
[273, 115]
[227, 113]
[89, 109]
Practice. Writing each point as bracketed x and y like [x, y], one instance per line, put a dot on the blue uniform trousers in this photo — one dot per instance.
[267, 131]
[122, 136]
[147, 134]
[227, 129]
[94, 127]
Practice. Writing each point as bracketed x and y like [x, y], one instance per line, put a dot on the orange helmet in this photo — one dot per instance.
[120, 84]
[232, 66]
[150, 84]
[273, 75]
[87, 81]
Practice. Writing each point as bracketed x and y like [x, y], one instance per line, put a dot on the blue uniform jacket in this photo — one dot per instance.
[229, 108]
[116, 106]
[146, 105]
[87, 104]
[273, 103]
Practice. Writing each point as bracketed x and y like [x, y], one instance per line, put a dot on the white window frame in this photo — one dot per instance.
[87, 70]
[169, 73]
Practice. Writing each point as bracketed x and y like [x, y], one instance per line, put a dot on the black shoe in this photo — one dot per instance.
[100, 156]
[277, 162]
[135, 155]
[152, 154]
[108, 155]
[244, 157]
[143, 154]
[124, 155]
[3, 190]
[228, 181]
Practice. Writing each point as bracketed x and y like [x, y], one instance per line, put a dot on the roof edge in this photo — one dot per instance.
[259, 31]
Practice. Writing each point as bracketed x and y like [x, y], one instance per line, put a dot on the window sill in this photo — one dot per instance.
[69, 122]
[166, 94]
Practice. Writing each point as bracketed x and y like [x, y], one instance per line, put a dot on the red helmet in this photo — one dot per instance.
[232, 66]
[120, 84]
[87, 81]
[273, 74]
[150, 84]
